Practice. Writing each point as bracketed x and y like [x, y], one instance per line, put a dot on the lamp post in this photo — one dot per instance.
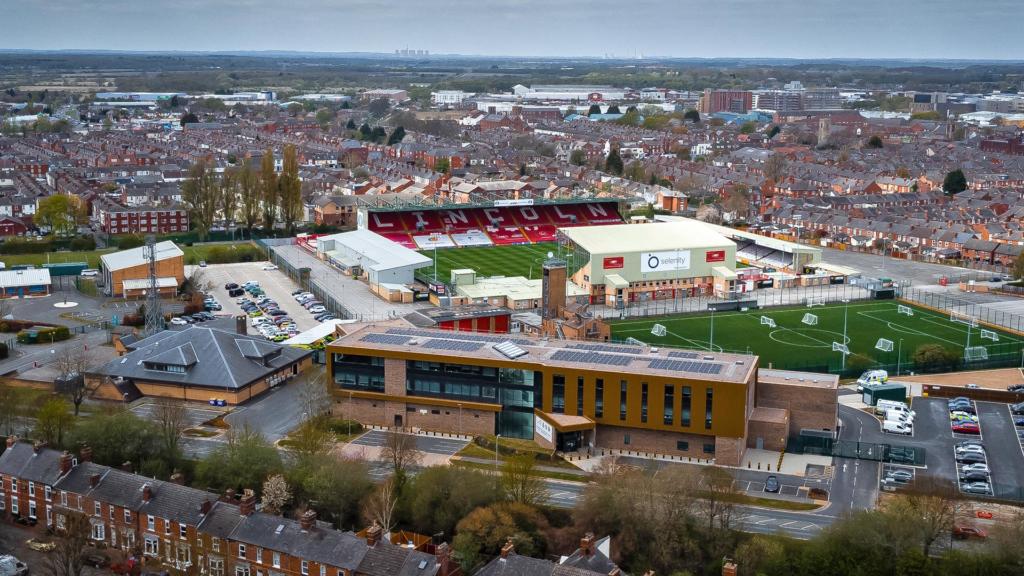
[899, 354]
[846, 308]
[460, 419]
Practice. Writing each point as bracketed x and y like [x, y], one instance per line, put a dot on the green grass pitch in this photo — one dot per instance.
[513, 260]
[792, 343]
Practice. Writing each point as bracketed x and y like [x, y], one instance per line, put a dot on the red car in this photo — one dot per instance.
[966, 428]
[965, 532]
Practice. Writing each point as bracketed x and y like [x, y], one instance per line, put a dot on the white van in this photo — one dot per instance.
[897, 416]
[897, 428]
[885, 405]
[872, 377]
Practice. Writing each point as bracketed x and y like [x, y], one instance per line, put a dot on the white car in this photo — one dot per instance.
[270, 267]
[979, 467]
[178, 322]
[970, 448]
[317, 309]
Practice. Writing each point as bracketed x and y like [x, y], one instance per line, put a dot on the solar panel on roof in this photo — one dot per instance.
[686, 366]
[392, 339]
[462, 346]
[509, 350]
[487, 339]
[690, 355]
[591, 358]
[607, 348]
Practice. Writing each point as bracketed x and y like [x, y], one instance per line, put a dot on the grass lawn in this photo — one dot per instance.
[518, 260]
[92, 257]
[795, 344]
[473, 450]
[541, 473]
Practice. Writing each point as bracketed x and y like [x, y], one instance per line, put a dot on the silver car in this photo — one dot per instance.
[11, 566]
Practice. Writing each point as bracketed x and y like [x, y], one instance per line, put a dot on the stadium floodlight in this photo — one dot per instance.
[810, 319]
[812, 302]
[766, 321]
[989, 335]
[837, 347]
[905, 310]
[884, 345]
[659, 330]
[972, 353]
[961, 318]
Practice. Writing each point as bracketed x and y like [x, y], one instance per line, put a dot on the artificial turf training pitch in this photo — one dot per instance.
[792, 343]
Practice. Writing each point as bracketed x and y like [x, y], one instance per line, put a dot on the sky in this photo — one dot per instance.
[922, 29]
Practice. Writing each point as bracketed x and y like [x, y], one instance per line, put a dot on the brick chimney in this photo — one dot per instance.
[649, 573]
[247, 505]
[615, 572]
[308, 520]
[147, 493]
[65, 462]
[205, 507]
[94, 480]
[11, 441]
[85, 454]
[126, 467]
[729, 568]
[229, 495]
[508, 548]
[373, 534]
[178, 478]
[443, 554]
[587, 544]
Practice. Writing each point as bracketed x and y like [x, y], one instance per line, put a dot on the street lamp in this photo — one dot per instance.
[497, 439]
[899, 353]
[460, 419]
[846, 308]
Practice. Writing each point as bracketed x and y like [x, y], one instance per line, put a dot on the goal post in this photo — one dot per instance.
[659, 330]
[972, 353]
[769, 322]
[810, 319]
[812, 302]
[837, 347]
[884, 344]
[905, 310]
[961, 318]
[989, 335]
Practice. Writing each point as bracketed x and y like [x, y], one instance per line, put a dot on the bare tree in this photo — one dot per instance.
[250, 192]
[709, 213]
[276, 494]
[520, 480]
[775, 167]
[67, 558]
[12, 407]
[716, 503]
[73, 362]
[314, 398]
[380, 505]
[933, 508]
[171, 418]
[400, 450]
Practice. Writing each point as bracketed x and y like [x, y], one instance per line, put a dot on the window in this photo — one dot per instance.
[622, 399]
[215, 544]
[599, 398]
[579, 395]
[259, 555]
[276, 560]
[64, 499]
[14, 484]
[558, 394]
[31, 509]
[48, 493]
[216, 567]
[110, 512]
[305, 568]
[98, 531]
[32, 489]
[184, 555]
[127, 516]
[684, 413]
[97, 509]
[167, 527]
[709, 448]
[241, 550]
[669, 409]
[707, 408]
[151, 545]
[323, 570]
[182, 531]
[643, 402]
[682, 445]
[150, 523]
[625, 439]
[14, 505]
[242, 570]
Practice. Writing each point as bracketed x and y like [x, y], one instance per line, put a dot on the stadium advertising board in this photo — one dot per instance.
[544, 430]
[714, 256]
[668, 261]
[614, 262]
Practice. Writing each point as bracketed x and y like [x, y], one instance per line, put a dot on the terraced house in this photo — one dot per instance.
[186, 529]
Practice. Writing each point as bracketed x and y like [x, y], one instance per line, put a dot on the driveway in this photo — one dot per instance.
[276, 412]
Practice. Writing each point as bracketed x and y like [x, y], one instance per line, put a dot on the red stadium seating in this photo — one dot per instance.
[400, 238]
[423, 221]
[385, 222]
[541, 233]
[507, 235]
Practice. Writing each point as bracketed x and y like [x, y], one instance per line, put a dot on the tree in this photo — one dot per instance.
[201, 193]
[443, 165]
[13, 404]
[312, 439]
[335, 488]
[59, 212]
[314, 397]
[594, 109]
[1018, 267]
[692, 115]
[119, 436]
[485, 530]
[440, 496]
[773, 131]
[955, 182]
[613, 162]
[379, 107]
[230, 184]
[397, 135]
[249, 194]
[635, 171]
[874, 142]
[290, 190]
[775, 167]
[269, 180]
[578, 157]
[737, 200]
[53, 420]
[380, 505]
[613, 109]
[276, 494]
[324, 117]
[520, 480]
[171, 420]
[400, 451]
[68, 556]
[935, 358]
[73, 362]
[365, 131]
[244, 461]
[350, 125]
[189, 118]
[748, 128]
[716, 504]
[931, 508]
[709, 213]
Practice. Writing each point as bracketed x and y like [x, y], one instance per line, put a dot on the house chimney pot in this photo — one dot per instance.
[508, 548]
[37, 446]
[94, 480]
[127, 467]
[443, 554]
[247, 505]
[729, 568]
[373, 534]
[587, 544]
[65, 462]
[308, 520]
[229, 494]
[178, 478]
[11, 441]
[85, 454]
[147, 493]
[204, 509]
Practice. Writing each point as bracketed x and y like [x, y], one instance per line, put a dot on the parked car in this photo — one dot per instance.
[230, 286]
[771, 484]
[972, 442]
[202, 263]
[966, 428]
[297, 292]
[1017, 408]
[964, 532]
[970, 448]
[11, 566]
[977, 488]
[1015, 388]
[974, 468]
[269, 267]
[317, 309]
[974, 477]
[901, 476]
[970, 458]
[178, 322]
[236, 292]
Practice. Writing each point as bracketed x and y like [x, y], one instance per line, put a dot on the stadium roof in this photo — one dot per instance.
[760, 239]
[136, 256]
[620, 238]
[28, 277]
[378, 252]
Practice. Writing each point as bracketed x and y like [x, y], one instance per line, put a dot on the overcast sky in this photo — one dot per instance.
[990, 29]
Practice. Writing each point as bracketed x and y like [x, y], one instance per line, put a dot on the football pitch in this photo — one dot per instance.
[794, 343]
[514, 260]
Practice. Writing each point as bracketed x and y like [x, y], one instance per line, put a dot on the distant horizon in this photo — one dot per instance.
[932, 30]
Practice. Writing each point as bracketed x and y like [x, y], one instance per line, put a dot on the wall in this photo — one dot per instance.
[382, 413]
[614, 437]
[809, 407]
[164, 268]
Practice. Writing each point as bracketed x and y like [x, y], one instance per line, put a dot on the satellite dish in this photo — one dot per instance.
[551, 254]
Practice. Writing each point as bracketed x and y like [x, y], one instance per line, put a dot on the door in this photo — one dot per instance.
[398, 420]
[760, 443]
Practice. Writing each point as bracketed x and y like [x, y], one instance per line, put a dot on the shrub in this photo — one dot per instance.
[82, 243]
[130, 241]
[342, 426]
[935, 358]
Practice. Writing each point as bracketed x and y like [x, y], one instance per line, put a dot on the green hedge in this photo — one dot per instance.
[18, 246]
[19, 325]
[46, 335]
[236, 253]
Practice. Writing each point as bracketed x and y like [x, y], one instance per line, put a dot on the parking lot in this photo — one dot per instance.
[195, 414]
[426, 444]
[273, 282]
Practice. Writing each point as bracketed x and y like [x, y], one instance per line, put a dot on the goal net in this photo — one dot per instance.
[965, 319]
[812, 302]
[766, 321]
[883, 344]
[810, 319]
[837, 347]
[659, 330]
[905, 310]
[976, 353]
[989, 335]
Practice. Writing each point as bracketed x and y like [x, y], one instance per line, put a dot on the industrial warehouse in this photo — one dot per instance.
[572, 395]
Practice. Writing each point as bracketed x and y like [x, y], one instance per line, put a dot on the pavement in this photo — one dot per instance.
[874, 265]
[1005, 454]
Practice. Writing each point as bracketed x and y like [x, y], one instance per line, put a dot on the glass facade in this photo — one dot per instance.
[669, 401]
[643, 402]
[623, 396]
[558, 394]
[684, 413]
[355, 372]
[579, 395]
[707, 409]
[599, 398]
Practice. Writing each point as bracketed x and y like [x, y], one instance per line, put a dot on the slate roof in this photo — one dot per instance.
[22, 462]
[214, 358]
[516, 565]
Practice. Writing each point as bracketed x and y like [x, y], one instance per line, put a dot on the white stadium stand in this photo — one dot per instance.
[474, 237]
[428, 241]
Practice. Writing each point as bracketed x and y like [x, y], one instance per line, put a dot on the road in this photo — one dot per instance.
[855, 486]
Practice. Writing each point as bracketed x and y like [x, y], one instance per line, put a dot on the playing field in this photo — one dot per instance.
[792, 343]
[517, 260]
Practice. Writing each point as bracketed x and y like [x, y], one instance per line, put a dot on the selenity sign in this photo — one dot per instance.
[664, 261]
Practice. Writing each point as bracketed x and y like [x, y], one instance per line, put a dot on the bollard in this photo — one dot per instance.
[758, 465]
